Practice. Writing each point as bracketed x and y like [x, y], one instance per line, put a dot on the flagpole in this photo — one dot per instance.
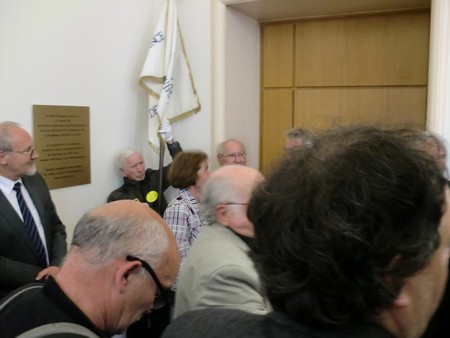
[161, 175]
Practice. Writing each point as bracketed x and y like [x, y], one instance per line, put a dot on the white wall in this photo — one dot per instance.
[438, 107]
[236, 79]
[90, 53]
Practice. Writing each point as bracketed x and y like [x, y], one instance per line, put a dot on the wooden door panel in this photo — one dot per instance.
[276, 119]
[389, 49]
[320, 109]
[322, 72]
[278, 55]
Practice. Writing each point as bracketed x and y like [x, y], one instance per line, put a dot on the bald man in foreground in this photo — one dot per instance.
[122, 260]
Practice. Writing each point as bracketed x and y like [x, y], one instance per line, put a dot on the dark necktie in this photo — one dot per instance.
[31, 226]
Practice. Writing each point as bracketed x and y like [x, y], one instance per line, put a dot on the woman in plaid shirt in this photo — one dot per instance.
[189, 171]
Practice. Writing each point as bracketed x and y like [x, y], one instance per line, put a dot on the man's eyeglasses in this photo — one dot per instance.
[29, 152]
[232, 203]
[236, 155]
[162, 298]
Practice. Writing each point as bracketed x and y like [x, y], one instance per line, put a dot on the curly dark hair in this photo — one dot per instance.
[335, 221]
[183, 170]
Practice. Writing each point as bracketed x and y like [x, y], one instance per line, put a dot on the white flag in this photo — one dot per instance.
[166, 75]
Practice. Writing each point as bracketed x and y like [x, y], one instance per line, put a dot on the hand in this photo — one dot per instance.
[50, 271]
[166, 131]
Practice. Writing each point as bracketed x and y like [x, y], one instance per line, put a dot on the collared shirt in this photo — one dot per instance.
[6, 186]
[184, 219]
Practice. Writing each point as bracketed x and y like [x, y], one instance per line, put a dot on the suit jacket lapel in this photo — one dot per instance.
[10, 219]
[34, 191]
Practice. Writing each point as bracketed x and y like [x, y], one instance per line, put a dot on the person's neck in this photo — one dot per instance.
[76, 281]
[195, 192]
[390, 320]
[9, 175]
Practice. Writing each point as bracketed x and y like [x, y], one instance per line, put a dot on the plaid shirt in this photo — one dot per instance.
[184, 219]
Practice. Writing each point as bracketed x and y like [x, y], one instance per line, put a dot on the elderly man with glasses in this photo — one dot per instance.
[122, 260]
[32, 236]
[231, 152]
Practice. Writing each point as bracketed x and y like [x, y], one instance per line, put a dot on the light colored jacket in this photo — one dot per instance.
[219, 273]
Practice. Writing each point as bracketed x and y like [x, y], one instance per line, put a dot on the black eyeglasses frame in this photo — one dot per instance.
[162, 298]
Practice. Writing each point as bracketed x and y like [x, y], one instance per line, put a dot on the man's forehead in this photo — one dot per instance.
[134, 158]
[18, 135]
[233, 145]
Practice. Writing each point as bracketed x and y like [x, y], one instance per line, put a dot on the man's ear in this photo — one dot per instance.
[122, 172]
[404, 295]
[392, 317]
[2, 156]
[123, 274]
[403, 299]
[222, 214]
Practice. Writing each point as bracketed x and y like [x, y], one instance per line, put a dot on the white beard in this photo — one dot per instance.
[32, 170]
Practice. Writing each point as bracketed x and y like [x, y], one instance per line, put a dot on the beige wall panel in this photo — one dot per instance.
[320, 109]
[278, 55]
[388, 49]
[276, 119]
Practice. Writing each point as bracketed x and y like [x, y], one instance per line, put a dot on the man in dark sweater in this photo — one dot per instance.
[140, 183]
[122, 260]
[351, 240]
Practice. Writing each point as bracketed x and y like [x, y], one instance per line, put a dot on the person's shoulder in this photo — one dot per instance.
[35, 178]
[215, 322]
[28, 290]
[37, 184]
[115, 195]
[126, 191]
[214, 239]
[179, 202]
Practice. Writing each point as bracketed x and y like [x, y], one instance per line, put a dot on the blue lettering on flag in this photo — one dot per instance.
[157, 38]
[168, 87]
[153, 111]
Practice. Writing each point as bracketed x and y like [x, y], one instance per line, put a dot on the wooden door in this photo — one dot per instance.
[338, 71]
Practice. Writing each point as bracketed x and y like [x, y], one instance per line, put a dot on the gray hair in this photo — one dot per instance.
[220, 148]
[305, 135]
[217, 190]
[427, 139]
[428, 136]
[124, 154]
[108, 237]
[5, 135]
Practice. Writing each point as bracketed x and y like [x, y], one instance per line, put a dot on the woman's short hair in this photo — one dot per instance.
[183, 170]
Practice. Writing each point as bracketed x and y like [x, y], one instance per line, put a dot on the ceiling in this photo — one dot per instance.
[272, 10]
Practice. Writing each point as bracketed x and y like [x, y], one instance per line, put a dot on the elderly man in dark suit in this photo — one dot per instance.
[32, 237]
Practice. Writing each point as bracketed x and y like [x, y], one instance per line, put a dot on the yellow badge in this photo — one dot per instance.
[152, 196]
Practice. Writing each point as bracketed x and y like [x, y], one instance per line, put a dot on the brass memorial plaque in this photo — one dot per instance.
[62, 139]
